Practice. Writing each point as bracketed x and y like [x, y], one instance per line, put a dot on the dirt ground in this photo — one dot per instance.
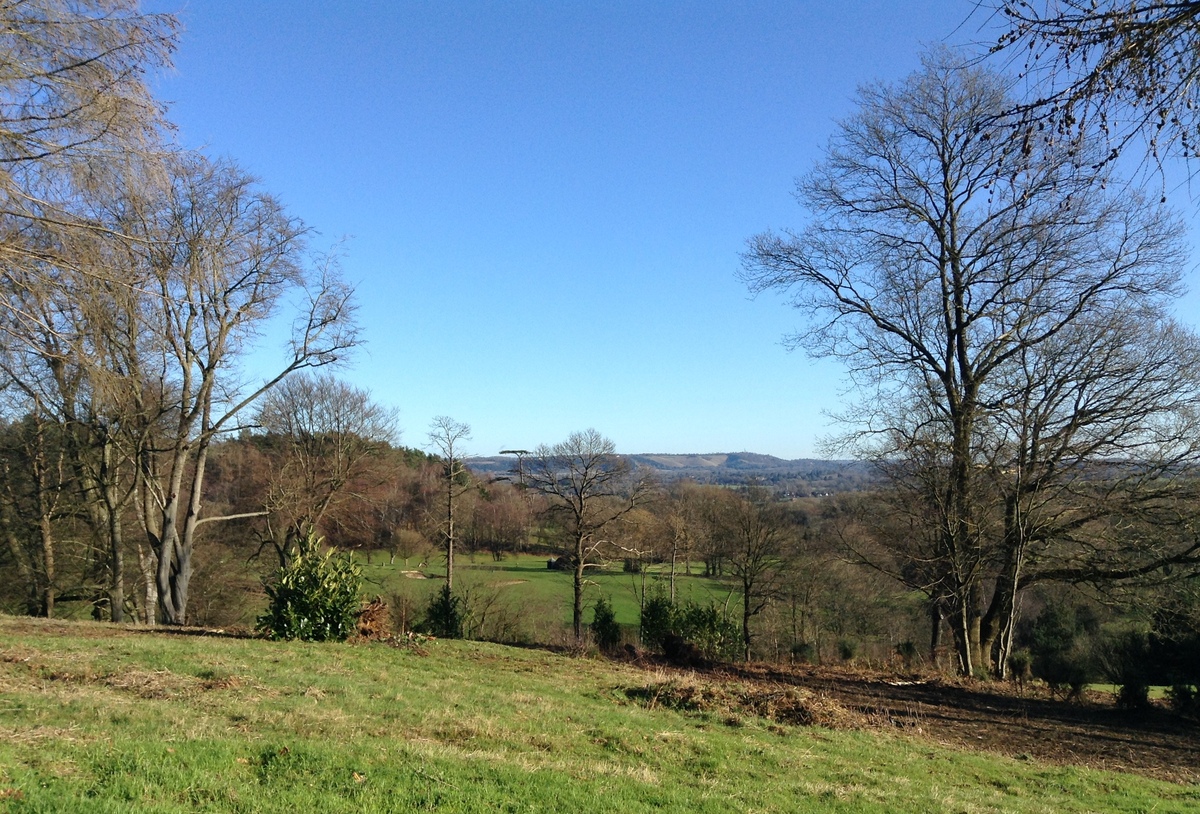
[1001, 718]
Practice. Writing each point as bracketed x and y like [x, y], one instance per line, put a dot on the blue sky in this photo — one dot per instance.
[542, 204]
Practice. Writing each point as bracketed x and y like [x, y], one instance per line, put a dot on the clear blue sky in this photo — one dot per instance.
[544, 202]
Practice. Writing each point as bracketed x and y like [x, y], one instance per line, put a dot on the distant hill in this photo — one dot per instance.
[801, 477]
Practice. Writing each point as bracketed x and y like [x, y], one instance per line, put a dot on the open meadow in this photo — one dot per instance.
[96, 718]
[521, 584]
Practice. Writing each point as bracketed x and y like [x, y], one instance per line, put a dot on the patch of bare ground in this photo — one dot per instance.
[992, 717]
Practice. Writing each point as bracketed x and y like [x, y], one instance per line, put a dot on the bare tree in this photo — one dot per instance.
[938, 262]
[75, 346]
[73, 103]
[589, 487]
[1097, 432]
[221, 258]
[1117, 67]
[329, 432]
[757, 537]
[498, 519]
[74, 76]
[447, 437]
[35, 487]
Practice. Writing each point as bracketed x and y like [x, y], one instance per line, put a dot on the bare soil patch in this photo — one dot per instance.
[991, 717]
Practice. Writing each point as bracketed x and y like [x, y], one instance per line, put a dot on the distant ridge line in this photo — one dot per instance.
[798, 476]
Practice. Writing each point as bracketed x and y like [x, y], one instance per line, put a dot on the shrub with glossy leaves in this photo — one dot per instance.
[704, 628]
[315, 597]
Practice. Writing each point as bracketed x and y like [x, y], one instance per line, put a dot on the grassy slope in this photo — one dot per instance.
[94, 719]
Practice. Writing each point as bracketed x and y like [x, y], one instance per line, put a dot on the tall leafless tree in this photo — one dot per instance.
[758, 539]
[73, 99]
[327, 433]
[589, 487]
[222, 256]
[446, 437]
[75, 113]
[939, 261]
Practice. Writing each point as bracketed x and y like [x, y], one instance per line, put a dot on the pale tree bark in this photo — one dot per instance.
[222, 256]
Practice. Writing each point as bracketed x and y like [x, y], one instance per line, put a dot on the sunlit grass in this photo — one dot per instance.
[523, 580]
[93, 719]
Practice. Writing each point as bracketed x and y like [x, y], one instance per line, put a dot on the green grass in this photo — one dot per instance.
[525, 581]
[1156, 693]
[94, 719]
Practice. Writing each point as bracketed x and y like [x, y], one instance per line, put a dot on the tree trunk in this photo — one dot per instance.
[149, 583]
[174, 560]
[746, 623]
[45, 520]
[26, 569]
[450, 527]
[1001, 617]
[113, 512]
[116, 590]
[46, 533]
[674, 554]
[935, 629]
[577, 613]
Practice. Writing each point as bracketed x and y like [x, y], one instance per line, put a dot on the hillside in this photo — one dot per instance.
[802, 475]
[103, 719]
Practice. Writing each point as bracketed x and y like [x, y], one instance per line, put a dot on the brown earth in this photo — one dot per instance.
[1001, 718]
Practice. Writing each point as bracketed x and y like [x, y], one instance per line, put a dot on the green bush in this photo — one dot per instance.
[847, 649]
[315, 597]
[1125, 660]
[1175, 646]
[605, 630]
[1020, 665]
[657, 619]
[1059, 643]
[444, 615]
[704, 627]
[804, 653]
[709, 629]
[908, 652]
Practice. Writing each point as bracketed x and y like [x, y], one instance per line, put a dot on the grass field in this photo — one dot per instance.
[102, 719]
[524, 581]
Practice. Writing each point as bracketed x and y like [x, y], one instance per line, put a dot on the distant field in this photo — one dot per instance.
[525, 581]
[101, 719]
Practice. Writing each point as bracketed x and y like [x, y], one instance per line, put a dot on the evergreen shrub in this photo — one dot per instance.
[315, 597]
